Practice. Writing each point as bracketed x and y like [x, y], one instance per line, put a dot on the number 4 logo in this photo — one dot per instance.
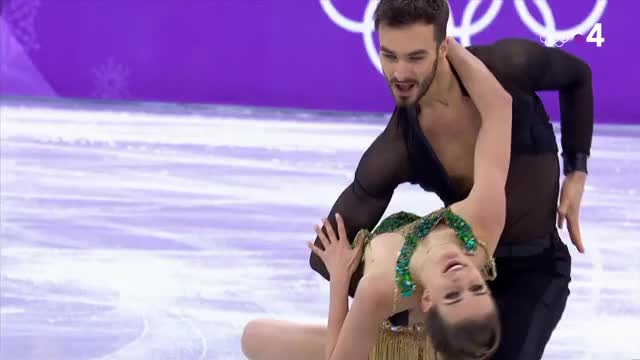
[595, 35]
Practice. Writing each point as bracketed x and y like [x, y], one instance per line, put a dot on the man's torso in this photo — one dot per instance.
[442, 158]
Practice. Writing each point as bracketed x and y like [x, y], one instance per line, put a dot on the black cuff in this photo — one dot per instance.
[574, 162]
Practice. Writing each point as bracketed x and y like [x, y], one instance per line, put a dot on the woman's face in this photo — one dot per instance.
[454, 284]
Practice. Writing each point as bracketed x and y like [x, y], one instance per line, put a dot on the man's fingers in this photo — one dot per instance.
[574, 232]
[562, 215]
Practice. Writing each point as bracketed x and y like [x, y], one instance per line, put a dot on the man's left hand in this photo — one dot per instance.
[569, 209]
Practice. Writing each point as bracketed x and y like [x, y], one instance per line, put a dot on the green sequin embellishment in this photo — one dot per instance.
[394, 222]
[403, 279]
[462, 229]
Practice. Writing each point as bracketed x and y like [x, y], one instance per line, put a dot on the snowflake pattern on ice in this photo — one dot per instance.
[111, 80]
[21, 15]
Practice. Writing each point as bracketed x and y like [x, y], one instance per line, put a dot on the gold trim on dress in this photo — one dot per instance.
[403, 343]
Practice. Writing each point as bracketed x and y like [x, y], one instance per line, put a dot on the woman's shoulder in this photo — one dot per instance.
[395, 222]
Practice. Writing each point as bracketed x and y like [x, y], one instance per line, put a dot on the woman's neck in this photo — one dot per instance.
[426, 253]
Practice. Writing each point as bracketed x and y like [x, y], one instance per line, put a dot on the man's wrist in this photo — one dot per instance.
[574, 162]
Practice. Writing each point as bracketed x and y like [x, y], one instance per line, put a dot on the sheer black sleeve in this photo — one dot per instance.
[383, 166]
[530, 66]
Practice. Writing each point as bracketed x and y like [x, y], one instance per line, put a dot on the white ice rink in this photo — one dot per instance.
[150, 231]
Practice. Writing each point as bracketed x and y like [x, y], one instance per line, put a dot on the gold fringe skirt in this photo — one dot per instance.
[403, 343]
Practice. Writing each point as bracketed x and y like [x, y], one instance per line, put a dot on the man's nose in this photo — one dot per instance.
[403, 71]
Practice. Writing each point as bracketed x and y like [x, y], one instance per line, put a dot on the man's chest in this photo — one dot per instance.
[451, 131]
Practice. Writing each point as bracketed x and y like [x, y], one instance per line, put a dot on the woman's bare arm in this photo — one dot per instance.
[487, 201]
[371, 305]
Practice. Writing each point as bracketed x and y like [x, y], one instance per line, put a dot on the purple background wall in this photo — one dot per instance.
[282, 53]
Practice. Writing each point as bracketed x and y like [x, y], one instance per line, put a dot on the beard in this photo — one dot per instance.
[419, 87]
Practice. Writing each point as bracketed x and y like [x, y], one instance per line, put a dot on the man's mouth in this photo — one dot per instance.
[404, 87]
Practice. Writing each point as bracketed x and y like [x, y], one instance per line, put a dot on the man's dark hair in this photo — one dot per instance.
[466, 340]
[397, 13]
